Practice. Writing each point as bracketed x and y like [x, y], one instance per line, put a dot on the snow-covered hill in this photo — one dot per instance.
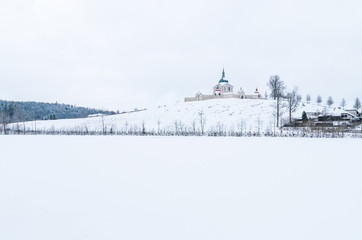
[219, 114]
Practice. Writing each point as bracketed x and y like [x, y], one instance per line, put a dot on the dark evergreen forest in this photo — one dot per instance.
[14, 111]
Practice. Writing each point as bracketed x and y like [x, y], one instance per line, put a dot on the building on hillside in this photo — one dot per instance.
[223, 89]
[347, 118]
[313, 115]
[353, 112]
[223, 86]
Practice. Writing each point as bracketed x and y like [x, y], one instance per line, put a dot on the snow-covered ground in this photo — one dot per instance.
[219, 114]
[162, 188]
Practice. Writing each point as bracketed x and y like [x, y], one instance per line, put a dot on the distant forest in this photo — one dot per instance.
[13, 111]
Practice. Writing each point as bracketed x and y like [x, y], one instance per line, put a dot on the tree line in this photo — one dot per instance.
[330, 102]
[16, 111]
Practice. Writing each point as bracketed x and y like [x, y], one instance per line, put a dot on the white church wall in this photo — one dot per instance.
[224, 90]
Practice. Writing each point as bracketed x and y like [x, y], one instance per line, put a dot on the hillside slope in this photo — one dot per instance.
[219, 114]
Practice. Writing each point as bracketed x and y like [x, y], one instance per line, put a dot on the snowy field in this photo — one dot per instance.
[178, 188]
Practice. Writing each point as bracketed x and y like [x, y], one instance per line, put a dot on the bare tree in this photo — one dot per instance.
[259, 124]
[219, 128]
[202, 121]
[19, 117]
[277, 88]
[308, 98]
[181, 126]
[330, 101]
[319, 99]
[176, 127]
[103, 125]
[343, 103]
[357, 104]
[126, 126]
[241, 125]
[158, 126]
[274, 122]
[5, 119]
[293, 100]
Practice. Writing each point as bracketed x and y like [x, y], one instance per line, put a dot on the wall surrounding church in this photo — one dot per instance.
[224, 90]
[201, 97]
[208, 97]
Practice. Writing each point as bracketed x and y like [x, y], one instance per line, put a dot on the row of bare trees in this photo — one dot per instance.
[283, 98]
[217, 131]
[330, 102]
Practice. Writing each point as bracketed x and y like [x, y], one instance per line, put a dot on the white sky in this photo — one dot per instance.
[125, 54]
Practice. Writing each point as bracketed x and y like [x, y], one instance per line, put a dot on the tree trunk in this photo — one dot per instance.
[277, 112]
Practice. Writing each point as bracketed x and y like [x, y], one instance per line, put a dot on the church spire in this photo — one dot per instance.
[222, 77]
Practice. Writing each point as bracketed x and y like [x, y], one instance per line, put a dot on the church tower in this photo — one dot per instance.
[223, 87]
[222, 77]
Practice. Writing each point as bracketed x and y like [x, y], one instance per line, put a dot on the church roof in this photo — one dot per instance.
[222, 77]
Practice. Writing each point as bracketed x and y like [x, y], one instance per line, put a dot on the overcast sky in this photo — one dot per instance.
[124, 54]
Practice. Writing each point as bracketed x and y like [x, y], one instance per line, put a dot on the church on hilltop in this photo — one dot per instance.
[224, 90]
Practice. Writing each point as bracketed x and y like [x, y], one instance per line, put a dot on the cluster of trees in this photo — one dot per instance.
[283, 98]
[291, 99]
[11, 111]
[212, 132]
[330, 102]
